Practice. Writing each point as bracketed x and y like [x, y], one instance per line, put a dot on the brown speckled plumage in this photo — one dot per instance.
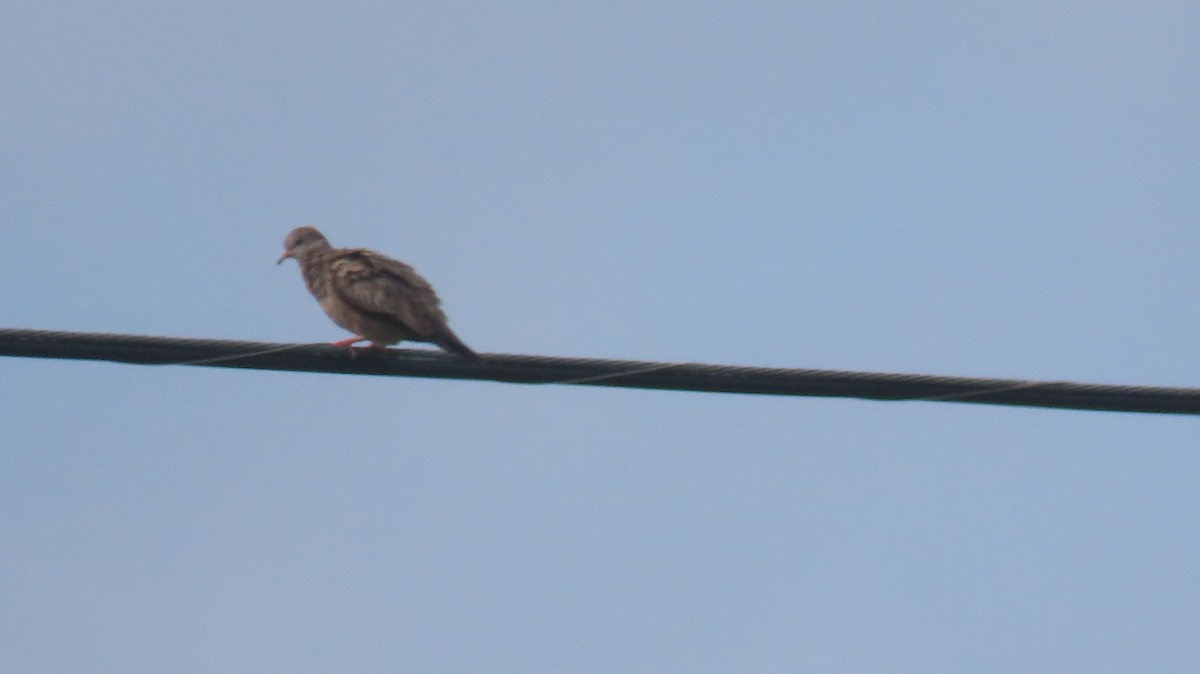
[371, 295]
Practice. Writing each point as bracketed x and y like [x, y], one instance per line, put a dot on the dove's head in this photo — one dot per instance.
[302, 243]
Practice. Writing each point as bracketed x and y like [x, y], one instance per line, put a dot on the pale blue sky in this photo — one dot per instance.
[952, 188]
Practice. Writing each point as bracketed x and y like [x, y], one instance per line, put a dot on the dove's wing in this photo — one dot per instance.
[387, 289]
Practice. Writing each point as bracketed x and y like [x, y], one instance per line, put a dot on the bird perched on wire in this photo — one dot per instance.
[379, 299]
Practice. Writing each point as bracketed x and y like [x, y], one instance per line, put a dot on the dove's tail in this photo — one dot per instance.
[450, 342]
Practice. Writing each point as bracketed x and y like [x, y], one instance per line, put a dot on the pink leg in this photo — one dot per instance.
[350, 341]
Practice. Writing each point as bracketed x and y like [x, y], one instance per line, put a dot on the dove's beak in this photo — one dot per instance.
[286, 255]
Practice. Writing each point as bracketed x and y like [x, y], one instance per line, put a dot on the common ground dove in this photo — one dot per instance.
[371, 295]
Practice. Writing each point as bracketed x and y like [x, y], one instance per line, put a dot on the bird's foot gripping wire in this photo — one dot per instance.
[349, 343]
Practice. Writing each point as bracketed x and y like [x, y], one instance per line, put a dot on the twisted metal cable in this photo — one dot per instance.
[151, 350]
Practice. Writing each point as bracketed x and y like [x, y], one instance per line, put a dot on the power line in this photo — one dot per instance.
[151, 350]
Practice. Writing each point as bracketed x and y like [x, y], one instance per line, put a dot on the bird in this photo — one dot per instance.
[379, 299]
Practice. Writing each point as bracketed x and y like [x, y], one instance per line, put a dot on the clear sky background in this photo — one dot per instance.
[994, 189]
